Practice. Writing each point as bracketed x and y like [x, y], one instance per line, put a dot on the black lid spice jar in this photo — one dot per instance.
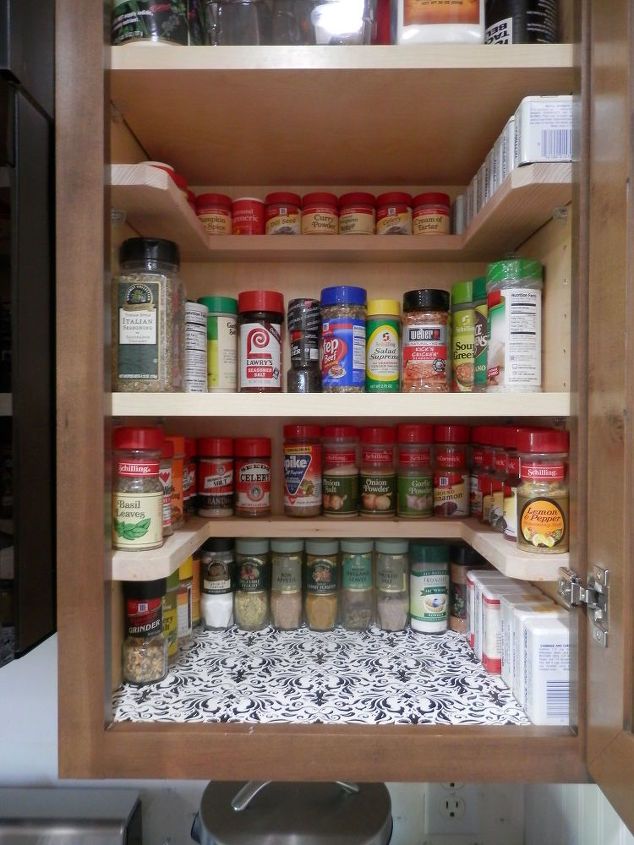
[261, 314]
[145, 646]
[426, 338]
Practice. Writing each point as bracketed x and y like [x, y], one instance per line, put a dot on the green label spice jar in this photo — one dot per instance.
[340, 480]
[429, 587]
[137, 497]
[357, 594]
[222, 343]
[480, 335]
[383, 346]
[415, 476]
[378, 476]
[463, 319]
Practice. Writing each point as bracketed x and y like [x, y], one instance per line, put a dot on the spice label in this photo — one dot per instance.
[451, 494]
[137, 520]
[260, 355]
[138, 469]
[216, 577]
[441, 11]
[282, 221]
[341, 495]
[463, 340]
[382, 356]
[222, 354]
[302, 476]
[253, 574]
[178, 496]
[343, 353]
[216, 221]
[134, 20]
[321, 575]
[139, 333]
[394, 220]
[515, 342]
[480, 343]
[542, 522]
[357, 221]
[357, 570]
[378, 494]
[391, 576]
[431, 221]
[285, 578]
[415, 496]
[429, 595]
[189, 481]
[543, 472]
[195, 369]
[144, 617]
[253, 491]
[165, 476]
[319, 221]
[247, 217]
[510, 512]
[415, 459]
[450, 458]
[425, 353]
[215, 477]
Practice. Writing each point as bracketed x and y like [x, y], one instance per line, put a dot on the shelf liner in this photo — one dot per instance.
[305, 677]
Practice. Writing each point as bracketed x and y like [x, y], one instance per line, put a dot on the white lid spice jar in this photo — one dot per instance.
[429, 587]
[138, 495]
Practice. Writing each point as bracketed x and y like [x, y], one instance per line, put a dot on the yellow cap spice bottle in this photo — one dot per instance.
[383, 346]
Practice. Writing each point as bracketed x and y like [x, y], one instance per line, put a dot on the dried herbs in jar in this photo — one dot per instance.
[138, 495]
[251, 602]
[145, 646]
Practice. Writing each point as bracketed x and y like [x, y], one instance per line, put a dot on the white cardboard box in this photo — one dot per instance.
[547, 659]
[543, 129]
[508, 604]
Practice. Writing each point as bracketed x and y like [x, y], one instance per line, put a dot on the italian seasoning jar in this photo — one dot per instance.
[425, 346]
[286, 583]
[144, 647]
[343, 312]
[392, 594]
[215, 476]
[137, 497]
[340, 478]
[415, 476]
[357, 593]
[322, 584]
[378, 474]
[217, 562]
[251, 603]
[260, 341]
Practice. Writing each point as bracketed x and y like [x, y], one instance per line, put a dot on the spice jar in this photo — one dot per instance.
[322, 584]
[480, 333]
[394, 214]
[340, 479]
[343, 339]
[462, 337]
[222, 343]
[163, 23]
[286, 583]
[319, 214]
[357, 593]
[137, 496]
[165, 475]
[415, 477]
[195, 366]
[214, 212]
[542, 497]
[500, 468]
[215, 476]
[478, 435]
[247, 216]
[282, 214]
[184, 602]
[170, 616]
[189, 477]
[392, 594]
[426, 338]
[144, 647]
[429, 587]
[260, 341]
[253, 476]
[217, 563]
[147, 315]
[302, 470]
[463, 559]
[304, 328]
[431, 214]
[485, 487]
[383, 346]
[357, 214]
[178, 480]
[251, 601]
[378, 475]
[511, 483]
[451, 478]
[196, 599]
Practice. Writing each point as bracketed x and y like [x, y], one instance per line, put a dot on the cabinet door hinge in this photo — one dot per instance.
[595, 596]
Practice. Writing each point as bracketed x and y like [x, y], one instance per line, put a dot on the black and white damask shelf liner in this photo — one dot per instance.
[341, 676]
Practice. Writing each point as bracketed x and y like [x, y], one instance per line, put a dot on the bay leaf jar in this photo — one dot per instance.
[137, 496]
[378, 474]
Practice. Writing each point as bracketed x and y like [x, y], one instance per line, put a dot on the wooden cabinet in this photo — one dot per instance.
[247, 119]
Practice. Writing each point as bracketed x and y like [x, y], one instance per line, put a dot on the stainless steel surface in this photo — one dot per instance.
[248, 792]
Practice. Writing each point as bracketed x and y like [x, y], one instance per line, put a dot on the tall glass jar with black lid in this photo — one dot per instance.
[145, 646]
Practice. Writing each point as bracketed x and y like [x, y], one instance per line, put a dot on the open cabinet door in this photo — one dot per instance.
[608, 88]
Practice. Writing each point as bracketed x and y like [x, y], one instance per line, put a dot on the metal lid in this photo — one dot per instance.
[287, 813]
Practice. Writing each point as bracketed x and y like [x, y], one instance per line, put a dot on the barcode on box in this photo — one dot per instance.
[556, 143]
[557, 698]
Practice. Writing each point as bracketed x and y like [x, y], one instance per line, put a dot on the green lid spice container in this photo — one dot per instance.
[170, 617]
[429, 587]
[222, 343]
[286, 583]
[415, 476]
[378, 474]
[357, 593]
[480, 333]
[144, 647]
[340, 479]
[137, 496]
[392, 594]
[383, 346]
[322, 584]
[251, 603]
[462, 337]
[514, 296]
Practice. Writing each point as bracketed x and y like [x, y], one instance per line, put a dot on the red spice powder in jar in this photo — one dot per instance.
[394, 214]
[431, 214]
[253, 476]
[214, 212]
[215, 476]
[319, 214]
[451, 478]
[357, 214]
[247, 215]
[282, 214]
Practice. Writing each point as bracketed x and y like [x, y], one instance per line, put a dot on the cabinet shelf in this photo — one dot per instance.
[504, 555]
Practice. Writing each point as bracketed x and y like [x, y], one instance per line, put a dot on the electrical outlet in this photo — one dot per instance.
[452, 787]
[452, 807]
[451, 811]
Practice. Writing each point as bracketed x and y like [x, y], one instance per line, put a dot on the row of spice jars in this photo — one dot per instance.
[323, 213]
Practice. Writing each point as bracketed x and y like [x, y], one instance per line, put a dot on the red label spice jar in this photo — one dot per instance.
[260, 341]
[425, 342]
[394, 214]
[319, 214]
[165, 475]
[357, 214]
[253, 476]
[378, 474]
[247, 216]
[282, 214]
[341, 471]
[431, 214]
[302, 470]
[189, 477]
[215, 476]
[214, 212]
[415, 479]
[451, 477]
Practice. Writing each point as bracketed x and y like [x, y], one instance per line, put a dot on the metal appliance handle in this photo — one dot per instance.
[247, 793]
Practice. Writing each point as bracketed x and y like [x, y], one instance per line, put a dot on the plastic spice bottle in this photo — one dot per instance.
[304, 328]
[247, 216]
[137, 496]
[342, 346]
[394, 214]
[302, 470]
[165, 474]
[251, 601]
[357, 592]
[282, 213]
[357, 214]
[222, 343]
[378, 473]
[480, 333]
[478, 434]
[511, 483]
[340, 478]
[214, 212]
[260, 341]
[215, 476]
[195, 362]
[415, 476]
[287, 556]
[196, 614]
[253, 476]
[383, 346]
[491, 485]
[144, 647]
[170, 616]
[322, 584]
[319, 214]
[392, 576]
[189, 477]
[426, 339]
[184, 602]
[451, 477]
[217, 562]
[500, 470]
[462, 337]
[429, 587]
[178, 480]
[431, 214]
[463, 559]
[542, 497]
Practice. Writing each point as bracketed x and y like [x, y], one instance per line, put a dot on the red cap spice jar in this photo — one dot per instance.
[511, 483]
[260, 341]
[282, 214]
[214, 212]
[394, 214]
[378, 475]
[247, 216]
[178, 480]
[253, 476]
[181, 182]
[357, 214]
[165, 474]
[451, 477]
[302, 470]
[137, 496]
[189, 477]
[431, 214]
[319, 214]
[415, 478]
[215, 476]
[479, 436]
[341, 470]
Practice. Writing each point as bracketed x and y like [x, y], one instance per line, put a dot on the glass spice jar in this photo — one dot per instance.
[189, 477]
[170, 616]
[322, 584]
[144, 647]
[302, 470]
[415, 476]
[392, 593]
[340, 478]
[178, 480]
[286, 583]
[253, 476]
[451, 477]
[343, 312]
[217, 563]
[137, 496]
[184, 603]
[320, 214]
[425, 344]
[215, 477]
[357, 214]
[378, 474]
[261, 315]
[357, 593]
[165, 474]
[251, 600]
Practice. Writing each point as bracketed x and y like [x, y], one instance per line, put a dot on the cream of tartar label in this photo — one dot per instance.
[137, 520]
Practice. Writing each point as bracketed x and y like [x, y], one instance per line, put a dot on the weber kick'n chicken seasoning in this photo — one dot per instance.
[425, 346]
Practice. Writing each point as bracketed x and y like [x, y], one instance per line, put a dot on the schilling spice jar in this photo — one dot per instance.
[415, 478]
[425, 341]
[165, 474]
[137, 496]
[247, 216]
[319, 214]
[145, 646]
[253, 476]
[343, 339]
[282, 214]
[215, 476]
[394, 214]
[340, 477]
[357, 214]
[431, 214]
[451, 477]
[214, 212]
[260, 341]
[302, 470]
[378, 475]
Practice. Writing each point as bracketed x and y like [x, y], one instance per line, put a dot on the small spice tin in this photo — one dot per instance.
[431, 214]
[357, 214]
[394, 214]
[247, 215]
[253, 476]
[214, 212]
[282, 214]
[319, 214]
